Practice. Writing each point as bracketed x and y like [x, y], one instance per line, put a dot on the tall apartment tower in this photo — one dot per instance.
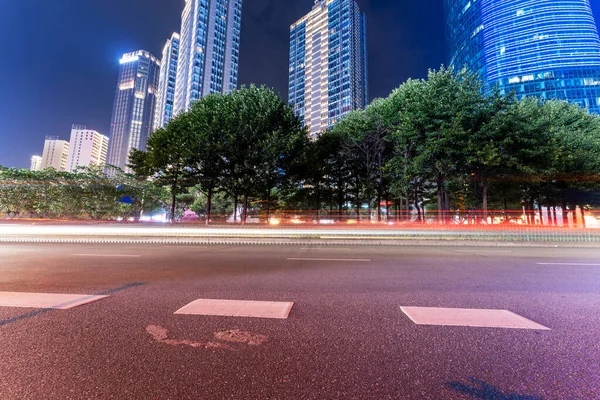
[166, 86]
[544, 48]
[87, 148]
[55, 153]
[36, 163]
[133, 110]
[209, 50]
[328, 64]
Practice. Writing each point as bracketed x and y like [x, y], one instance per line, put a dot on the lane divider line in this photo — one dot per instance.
[571, 264]
[329, 259]
[108, 255]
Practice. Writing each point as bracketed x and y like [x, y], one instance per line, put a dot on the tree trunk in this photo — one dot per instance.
[209, 205]
[235, 208]
[387, 206]
[418, 209]
[440, 200]
[331, 204]
[269, 205]
[318, 203]
[340, 200]
[357, 203]
[378, 206]
[173, 203]
[484, 190]
[245, 214]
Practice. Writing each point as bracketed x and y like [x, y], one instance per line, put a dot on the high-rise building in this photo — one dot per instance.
[87, 148]
[55, 153]
[544, 48]
[36, 163]
[328, 64]
[133, 110]
[166, 86]
[209, 50]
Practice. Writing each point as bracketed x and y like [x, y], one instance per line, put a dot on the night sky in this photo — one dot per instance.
[59, 59]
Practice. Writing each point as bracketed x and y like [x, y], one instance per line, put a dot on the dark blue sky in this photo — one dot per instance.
[59, 59]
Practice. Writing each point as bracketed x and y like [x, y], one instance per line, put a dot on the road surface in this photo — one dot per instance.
[365, 323]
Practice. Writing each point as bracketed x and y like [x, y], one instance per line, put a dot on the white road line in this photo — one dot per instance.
[329, 259]
[238, 308]
[575, 264]
[107, 255]
[479, 318]
[45, 300]
[326, 248]
[482, 251]
[187, 246]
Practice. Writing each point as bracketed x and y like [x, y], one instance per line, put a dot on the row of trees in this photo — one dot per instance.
[88, 193]
[245, 145]
[441, 143]
[434, 146]
[437, 143]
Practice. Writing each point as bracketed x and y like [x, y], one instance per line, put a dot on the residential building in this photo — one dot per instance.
[87, 148]
[133, 110]
[328, 64]
[166, 85]
[55, 153]
[209, 50]
[544, 48]
[36, 163]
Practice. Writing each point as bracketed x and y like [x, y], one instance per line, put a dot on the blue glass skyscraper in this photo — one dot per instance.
[328, 64]
[544, 48]
[133, 110]
[209, 50]
[165, 99]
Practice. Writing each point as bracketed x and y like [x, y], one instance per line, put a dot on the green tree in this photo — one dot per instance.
[170, 158]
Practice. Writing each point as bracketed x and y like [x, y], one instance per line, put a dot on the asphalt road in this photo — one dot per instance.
[345, 338]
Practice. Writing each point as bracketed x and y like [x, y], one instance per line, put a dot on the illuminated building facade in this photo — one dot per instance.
[55, 154]
[36, 163]
[86, 148]
[165, 99]
[133, 110]
[209, 50]
[328, 64]
[544, 48]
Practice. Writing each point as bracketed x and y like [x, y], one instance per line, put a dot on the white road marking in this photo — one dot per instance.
[107, 255]
[329, 259]
[482, 251]
[185, 246]
[326, 248]
[238, 308]
[575, 264]
[469, 317]
[45, 300]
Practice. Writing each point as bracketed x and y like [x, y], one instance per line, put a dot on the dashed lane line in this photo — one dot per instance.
[329, 259]
[572, 264]
[108, 255]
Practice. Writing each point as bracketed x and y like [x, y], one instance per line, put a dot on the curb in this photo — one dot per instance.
[295, 242]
